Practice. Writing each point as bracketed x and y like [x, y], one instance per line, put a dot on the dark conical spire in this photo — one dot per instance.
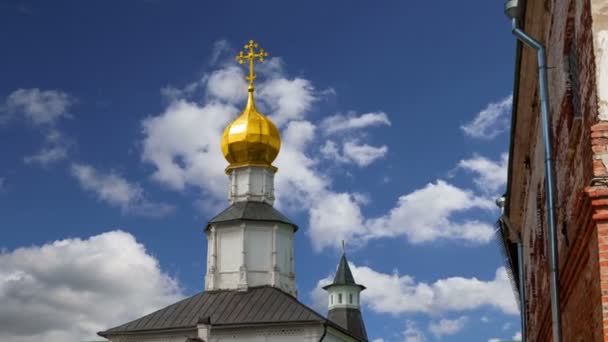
[344, 276]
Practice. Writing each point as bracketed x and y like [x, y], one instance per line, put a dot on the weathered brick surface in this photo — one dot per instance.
[580, 154]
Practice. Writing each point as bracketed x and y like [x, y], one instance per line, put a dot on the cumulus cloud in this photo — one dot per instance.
[44, 109]
[412, 333]
[288, 99]
[353, 152]
[341, 123]
[398, 294]
[117, 191]
[55, 149]
[447, 326]
[516, 337]
[40, 107]
[69, 289]
[227, 84]
[424, 215]
[491, 175]
[47, 156]
[428, 214]
[363, 154]
[182, 144]
[335, 217]
[490, 121]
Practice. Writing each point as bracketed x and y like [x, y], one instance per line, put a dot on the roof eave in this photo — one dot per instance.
[295, 226]
[327, 287]
[516, 81]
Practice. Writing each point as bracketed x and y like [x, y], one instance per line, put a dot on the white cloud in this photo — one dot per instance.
[490, 121]
[412, 333]
[448, 326]
[183, 142]
[491, 176]
[398, 294]
[68, 290]
[353, 152]
[55, 149]
[40, 107]
[330, 150]
[335, 217]
[47, 156]
[424, 215]
[363, 154]
[427, 214]
[516, 337]
[183, 146]
[117, 191]
[287, 99]
[378, 340]
[341, 123]
[299, 183]
[227, 84]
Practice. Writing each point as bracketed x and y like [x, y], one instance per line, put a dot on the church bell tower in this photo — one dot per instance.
[250, 243]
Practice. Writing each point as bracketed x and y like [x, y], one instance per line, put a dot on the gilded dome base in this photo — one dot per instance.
[233, 166]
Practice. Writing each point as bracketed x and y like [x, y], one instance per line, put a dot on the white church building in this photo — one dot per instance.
[250, 290]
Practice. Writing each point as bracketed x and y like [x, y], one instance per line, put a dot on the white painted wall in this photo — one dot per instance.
[296, 333]
[276, 334]
[160, 337]
[250, 254]
[251, 183]
[346, 292]
[334, 335]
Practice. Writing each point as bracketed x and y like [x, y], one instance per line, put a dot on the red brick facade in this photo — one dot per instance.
[580, 140]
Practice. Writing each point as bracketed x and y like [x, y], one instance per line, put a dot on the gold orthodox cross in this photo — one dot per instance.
[251, 56]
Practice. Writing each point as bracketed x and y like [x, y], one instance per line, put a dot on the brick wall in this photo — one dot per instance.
[579, 140]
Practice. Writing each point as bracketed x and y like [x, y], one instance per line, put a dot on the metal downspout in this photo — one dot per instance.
[324, 332]
[544, 106]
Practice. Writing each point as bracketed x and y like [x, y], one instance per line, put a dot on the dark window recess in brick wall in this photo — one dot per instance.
[573, 81]
[572, 69]
[539, 239]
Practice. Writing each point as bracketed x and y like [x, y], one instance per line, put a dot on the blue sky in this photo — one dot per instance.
[394, 119]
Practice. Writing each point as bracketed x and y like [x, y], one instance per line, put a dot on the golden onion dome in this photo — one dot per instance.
[251, 139]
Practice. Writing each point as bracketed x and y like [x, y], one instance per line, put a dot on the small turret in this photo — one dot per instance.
[344, 300]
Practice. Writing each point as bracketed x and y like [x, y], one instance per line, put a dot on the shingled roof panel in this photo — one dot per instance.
[256, 306]
[253, 211]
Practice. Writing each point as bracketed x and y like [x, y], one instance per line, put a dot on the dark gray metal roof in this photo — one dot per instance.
[344, 276]
[252, 211]
[350, 319]
[259, 305]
